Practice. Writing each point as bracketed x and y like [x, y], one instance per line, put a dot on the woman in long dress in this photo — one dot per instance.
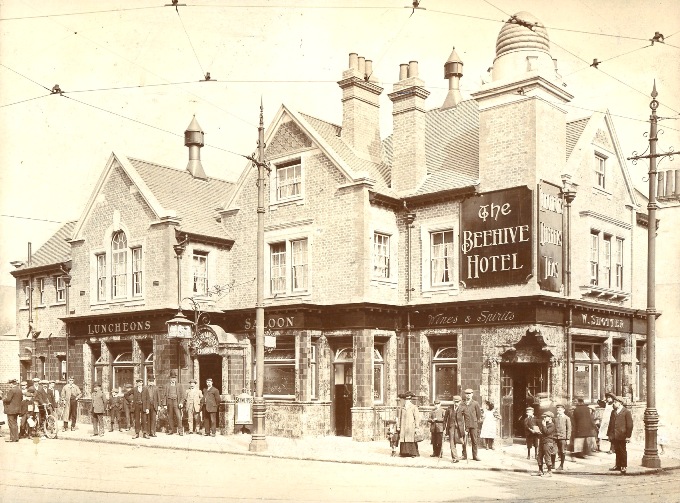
[408, 422]
[604, 422]
[489, 424]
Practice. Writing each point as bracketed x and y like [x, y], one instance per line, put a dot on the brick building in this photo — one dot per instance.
[451, 254]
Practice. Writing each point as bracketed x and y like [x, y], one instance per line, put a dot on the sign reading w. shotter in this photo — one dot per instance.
[496, 238]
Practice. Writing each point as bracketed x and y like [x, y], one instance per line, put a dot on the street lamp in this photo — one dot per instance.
[181, 329]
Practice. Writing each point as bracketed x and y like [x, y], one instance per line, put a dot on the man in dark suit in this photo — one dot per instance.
[152, 400]
[436, 421]
[619, 432]
[211, 401]
[472, 413]
[136, 399]
[454, 425]
[174, 394]
[12, 402]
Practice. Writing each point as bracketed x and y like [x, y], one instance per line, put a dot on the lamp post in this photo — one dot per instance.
[181, 329]
[258, 441]
[568, 195]
[650, 458]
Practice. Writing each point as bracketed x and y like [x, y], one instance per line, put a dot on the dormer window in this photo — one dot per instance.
[289, 181]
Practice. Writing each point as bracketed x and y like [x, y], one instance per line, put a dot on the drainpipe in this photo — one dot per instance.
[410, 217]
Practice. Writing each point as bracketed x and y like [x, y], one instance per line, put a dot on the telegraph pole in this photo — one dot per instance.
[258, 441]
[650, 458]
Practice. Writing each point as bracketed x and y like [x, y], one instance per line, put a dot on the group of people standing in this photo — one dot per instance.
[463, 421]
[142, 406]
[27, 407]
[551, 436]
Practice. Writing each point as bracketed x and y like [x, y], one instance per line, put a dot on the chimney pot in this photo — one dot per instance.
[362, 65]
[369, 69]
[403, 71]
[353, 61]
[412, 68]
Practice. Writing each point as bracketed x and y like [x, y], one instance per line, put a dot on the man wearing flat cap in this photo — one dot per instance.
[12, 403]
[173, 403]
[42, 399]
[454, 426]
[436, 421]
[530, 423]
[192, 405]
[472, 413]
[619, 432]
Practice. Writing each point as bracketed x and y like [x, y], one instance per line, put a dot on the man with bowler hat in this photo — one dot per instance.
[472, 413]
[454, 426]
[619, 432]
[211, 401]
[173, 403]
[12, 401]
[136, 397]
[152, 401]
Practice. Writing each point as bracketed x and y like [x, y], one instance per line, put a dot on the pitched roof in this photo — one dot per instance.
[331, 135]
[451, 148]
[193, 199]
[574, 132]
[56, 250]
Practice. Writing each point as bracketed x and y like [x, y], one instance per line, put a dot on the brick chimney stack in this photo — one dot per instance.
[408, 136]
[360, 108]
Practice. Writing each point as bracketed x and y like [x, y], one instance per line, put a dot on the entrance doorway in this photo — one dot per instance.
[210, 366]
[520, 383]
[342, 400]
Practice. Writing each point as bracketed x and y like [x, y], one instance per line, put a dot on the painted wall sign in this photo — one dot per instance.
[550, 237]
[474, 317]
[119, 327]
[271, 322]
[496, 238]
[601, 321]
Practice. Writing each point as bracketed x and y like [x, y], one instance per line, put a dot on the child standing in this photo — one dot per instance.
[489, 424]
[393, 435]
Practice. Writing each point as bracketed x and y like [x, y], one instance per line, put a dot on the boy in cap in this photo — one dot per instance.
[114, 406]
[436, 421]
[98, 410]
[563, 434]
[619, 432]
[546, 446]
[530, 432]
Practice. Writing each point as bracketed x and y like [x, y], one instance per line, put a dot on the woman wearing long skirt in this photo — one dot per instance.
[604, 422]
[489, 424]
[408, 423]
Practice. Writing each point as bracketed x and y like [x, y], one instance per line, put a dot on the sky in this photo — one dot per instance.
[131, 73]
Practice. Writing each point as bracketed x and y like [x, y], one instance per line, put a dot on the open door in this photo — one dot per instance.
[507, 406]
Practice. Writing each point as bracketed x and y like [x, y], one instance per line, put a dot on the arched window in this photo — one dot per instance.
[445, 373]
[119, 258]
[123, 370]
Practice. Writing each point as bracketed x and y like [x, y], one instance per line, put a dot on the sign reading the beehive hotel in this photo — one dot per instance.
[496, 238]
[549, 237]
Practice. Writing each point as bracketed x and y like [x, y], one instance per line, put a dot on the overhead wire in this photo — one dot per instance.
[191, 44]
[31, 218]
[24, 101]
[78, 13]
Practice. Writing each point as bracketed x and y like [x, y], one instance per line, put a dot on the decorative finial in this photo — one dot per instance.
[654, 93]
[261, 113]
[654, 104]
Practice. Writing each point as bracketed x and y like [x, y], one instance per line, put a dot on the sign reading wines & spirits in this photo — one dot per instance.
[496, 238]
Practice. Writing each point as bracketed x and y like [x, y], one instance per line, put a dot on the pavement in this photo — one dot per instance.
[337, 449]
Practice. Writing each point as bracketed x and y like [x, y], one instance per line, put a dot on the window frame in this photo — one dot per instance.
[594, 257]
[452, 258]
[60, 289]
[284, 266]
[137, 271]
[381, 255]
[41, 291]
[26, 287]
[594, 363]
[119, 262]
[100, 259]
[297, 183]
[288, 363]
[444, 362]
[618, 274]
[606, 262]
[600, 171]
[379, 365]
[203, 257]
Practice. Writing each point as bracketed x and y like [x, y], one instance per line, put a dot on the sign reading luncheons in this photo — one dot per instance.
[496, 238]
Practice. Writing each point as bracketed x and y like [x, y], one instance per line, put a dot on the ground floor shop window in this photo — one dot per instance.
[445, 372]
[123, 370]
[587, 370]
[279, 372]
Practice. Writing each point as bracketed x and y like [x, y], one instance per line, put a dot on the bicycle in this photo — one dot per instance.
[51, 424]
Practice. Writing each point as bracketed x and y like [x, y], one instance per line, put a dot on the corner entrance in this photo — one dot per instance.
[210, 366]
[520, 383]
[342, 399]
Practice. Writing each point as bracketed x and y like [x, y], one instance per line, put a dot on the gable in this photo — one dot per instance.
[288, 138]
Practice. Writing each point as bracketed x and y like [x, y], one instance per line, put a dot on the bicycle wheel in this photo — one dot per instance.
[51, 426]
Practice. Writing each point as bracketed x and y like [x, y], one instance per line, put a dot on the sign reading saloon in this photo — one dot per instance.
[549, 237]
[496, 238]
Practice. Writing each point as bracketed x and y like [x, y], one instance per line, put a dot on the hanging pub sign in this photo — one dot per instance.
[496, 238]
[549, 237]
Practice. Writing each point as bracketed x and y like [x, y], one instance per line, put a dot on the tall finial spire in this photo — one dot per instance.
[261, 113]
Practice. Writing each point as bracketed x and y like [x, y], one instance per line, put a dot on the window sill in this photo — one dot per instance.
[602, 192]
[40, 306]
[392, 283]
[60, 303]
[299, 201]
[288, 296]
[439, 291]
[117, 303]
